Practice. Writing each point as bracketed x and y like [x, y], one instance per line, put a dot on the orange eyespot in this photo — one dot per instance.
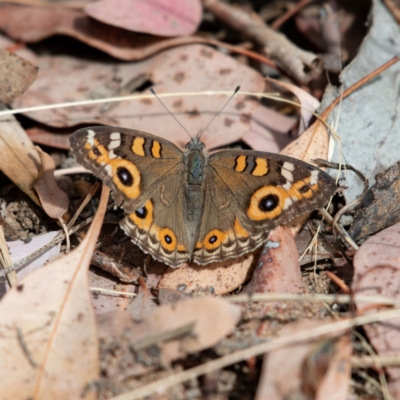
[167, 239]
[126, 177]
[143, 217]
[214, 239]
[266, 203]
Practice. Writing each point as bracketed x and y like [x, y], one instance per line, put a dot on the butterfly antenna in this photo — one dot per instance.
[220, 111]
[169, 112]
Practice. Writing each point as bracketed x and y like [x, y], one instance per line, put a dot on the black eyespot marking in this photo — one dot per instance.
[96, 152]
[268, 203]
[212, 239]
[168, 239]
[124, 176]
[304, 189]
[141, 213]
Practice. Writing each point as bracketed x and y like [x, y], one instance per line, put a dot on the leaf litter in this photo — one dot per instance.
[176, 315]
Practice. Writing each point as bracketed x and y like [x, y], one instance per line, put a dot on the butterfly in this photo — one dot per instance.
[188, 206]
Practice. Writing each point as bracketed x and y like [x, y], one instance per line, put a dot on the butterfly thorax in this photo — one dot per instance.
[195, 160]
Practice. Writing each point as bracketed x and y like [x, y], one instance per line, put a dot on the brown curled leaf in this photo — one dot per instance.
[54, 201]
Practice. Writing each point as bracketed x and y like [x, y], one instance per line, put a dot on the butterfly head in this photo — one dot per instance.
[195, 144]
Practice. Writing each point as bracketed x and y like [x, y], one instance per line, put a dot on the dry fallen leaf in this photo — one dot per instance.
[19, 160]
[376, 273]
[336, 382]
[175, 18]
[278, 269]
[174, 70]
[305, 370]
[308, 103]
[16, 75]
[54, 201]
[45, 137]
[218, 278]
[312, 144]
[178, 329]
[48, 341]
[32, 24]
[269, 130]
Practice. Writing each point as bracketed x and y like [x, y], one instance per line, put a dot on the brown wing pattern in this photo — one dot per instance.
[248, 194]
[132, 163]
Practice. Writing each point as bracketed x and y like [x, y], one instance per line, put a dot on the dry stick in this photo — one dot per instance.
[5, 260]
[273, 297]
[338, 228]
[85, 201]
[292, 59]
[339, 282]
[225, 361]
[70, 5]
[370, 362]
[289, 14]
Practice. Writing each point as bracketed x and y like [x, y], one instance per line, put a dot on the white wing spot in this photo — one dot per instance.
[90, 137]
[286, 171]
[314, 177]
[115, 141]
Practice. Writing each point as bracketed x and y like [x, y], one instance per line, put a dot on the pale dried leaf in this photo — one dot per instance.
[54, 201]
[31, 24]
[278, 269]
[376, 273]
[174, 70]
[295, 371]
[48, 345]
[45, 137]
[175, 18]
[16, 75]
[308, 103]
[219, 278]
[269, 130]
[336, 383]
[141, 306]
[19, 160]
[209, 320]
[312, 144]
